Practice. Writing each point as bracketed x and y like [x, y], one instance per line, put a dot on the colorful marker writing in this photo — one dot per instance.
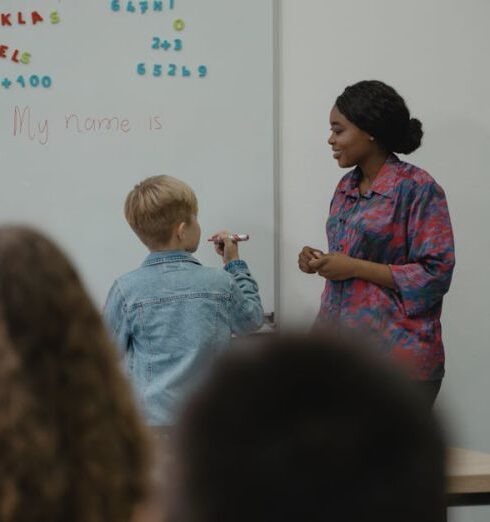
[233, 237]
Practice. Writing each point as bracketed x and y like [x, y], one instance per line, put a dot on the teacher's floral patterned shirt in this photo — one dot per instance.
[402, 221]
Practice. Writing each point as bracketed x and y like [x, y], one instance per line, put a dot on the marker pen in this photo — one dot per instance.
[233, 237]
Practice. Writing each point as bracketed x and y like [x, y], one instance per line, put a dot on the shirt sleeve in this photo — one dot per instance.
[424, 280]
[115, 317]
[247, 314]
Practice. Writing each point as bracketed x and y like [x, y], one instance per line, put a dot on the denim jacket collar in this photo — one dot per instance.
[169, 256]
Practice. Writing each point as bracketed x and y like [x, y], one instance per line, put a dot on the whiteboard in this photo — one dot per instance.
[100, 94]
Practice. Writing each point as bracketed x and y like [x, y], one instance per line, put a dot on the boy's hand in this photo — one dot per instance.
[305, 256]
[225, 247]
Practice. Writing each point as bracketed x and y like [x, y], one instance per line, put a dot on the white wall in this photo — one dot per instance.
[435, 53]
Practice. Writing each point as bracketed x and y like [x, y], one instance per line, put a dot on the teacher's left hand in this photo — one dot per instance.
[334, 266]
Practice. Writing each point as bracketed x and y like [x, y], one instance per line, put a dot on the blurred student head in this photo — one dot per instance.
[72, 447]
[306, 428]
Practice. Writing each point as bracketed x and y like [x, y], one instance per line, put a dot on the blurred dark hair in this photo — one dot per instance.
[306, 428]
[379, 110]
[72, 447]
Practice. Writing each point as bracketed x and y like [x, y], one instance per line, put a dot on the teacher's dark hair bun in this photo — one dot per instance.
[378, 109]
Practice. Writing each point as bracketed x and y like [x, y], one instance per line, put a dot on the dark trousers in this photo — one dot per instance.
[429, 390]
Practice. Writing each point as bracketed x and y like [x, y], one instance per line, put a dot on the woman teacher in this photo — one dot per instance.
[391, 250]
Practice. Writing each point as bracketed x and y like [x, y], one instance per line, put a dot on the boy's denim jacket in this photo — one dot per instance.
[170, 317]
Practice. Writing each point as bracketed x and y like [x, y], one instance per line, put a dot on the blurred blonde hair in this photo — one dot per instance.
[156, 205]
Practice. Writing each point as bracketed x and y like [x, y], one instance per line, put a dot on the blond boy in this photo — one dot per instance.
[172, 316]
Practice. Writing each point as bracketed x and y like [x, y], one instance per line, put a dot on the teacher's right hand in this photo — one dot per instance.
[304, 258]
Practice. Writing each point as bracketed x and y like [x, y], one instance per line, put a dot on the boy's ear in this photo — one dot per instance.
[181, 230]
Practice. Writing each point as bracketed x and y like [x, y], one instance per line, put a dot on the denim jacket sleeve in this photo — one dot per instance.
[116, 319]
[247, 314]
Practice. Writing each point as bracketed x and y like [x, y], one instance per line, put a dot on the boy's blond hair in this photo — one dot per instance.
[156, 205]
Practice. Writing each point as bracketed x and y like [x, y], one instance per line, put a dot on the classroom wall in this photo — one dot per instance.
[435, 53]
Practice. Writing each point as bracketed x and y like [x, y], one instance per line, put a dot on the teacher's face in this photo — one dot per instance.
[351, 145]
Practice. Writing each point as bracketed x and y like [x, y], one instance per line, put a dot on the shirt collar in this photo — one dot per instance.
[169, 256]
[383, 183]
